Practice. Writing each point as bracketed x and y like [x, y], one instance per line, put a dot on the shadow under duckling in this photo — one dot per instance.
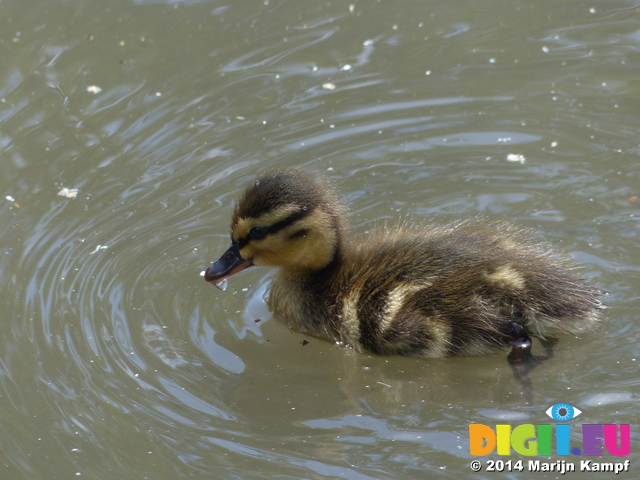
[429, 291]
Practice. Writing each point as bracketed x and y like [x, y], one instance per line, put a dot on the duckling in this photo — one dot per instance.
[429, 291]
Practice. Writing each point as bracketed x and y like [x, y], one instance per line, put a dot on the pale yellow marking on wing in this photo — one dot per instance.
[396, 299]
[350, 320]
[506, 277]
[439, 330]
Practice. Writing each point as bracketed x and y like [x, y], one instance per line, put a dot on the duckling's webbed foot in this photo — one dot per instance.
[521, 360]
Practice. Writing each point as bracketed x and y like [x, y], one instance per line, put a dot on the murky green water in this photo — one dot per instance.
[118, 361]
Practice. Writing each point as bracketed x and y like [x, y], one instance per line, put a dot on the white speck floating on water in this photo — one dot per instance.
[68, 192]
[516, 157]
[94, 89]
[328, 86]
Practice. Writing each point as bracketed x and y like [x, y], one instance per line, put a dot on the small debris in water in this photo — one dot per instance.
[516, 157]
[99, 247]
[11, 199]
[329, 86]
[94, 89]
[257, 320]
[304, 343]
[222, 285]
[68, 192]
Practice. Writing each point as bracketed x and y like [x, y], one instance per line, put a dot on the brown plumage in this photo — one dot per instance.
[431, 291]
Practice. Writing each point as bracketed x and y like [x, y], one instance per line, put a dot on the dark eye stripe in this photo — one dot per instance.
[294, 217]
[284, 223]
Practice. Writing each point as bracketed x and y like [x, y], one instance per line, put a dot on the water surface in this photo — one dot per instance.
[118, 361]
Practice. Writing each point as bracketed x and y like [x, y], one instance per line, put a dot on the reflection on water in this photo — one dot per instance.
[119, 361]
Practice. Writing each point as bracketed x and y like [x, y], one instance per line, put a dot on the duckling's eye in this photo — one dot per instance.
[258, 233]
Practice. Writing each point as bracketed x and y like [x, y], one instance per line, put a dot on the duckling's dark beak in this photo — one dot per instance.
[230, 263]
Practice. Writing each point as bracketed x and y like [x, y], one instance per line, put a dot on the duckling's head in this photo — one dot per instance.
[288, 219]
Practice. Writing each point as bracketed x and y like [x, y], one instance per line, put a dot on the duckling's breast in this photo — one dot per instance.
[306, 304]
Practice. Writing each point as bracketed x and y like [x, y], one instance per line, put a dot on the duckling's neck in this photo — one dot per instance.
[298, 298]
[317, 272]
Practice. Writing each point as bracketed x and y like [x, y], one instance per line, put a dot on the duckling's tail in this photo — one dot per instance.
[575, 309]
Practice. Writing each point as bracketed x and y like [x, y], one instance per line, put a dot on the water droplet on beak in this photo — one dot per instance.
[222, 285]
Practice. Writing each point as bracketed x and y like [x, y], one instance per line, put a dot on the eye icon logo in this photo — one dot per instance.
[562, 412]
